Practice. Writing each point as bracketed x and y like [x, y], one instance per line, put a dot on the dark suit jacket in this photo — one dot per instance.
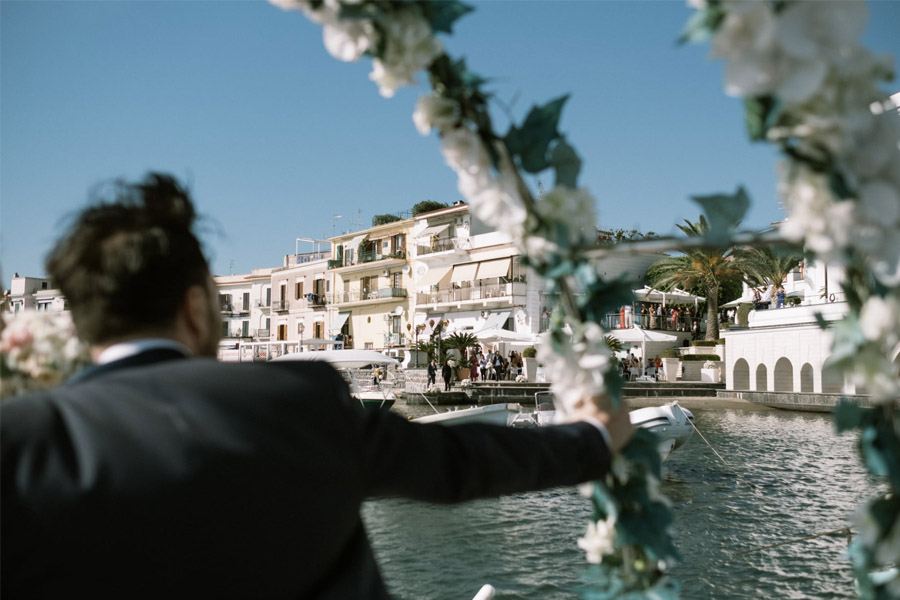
[202, 479]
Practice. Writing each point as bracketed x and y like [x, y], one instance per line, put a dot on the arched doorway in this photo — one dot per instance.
[761, 378]
[806, 378]
[784, 375]
[741, 375]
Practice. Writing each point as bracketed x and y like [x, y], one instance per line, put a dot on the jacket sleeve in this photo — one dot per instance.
[439, 463]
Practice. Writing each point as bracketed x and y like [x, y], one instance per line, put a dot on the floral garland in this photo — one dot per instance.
[808, 88]
[38, 350]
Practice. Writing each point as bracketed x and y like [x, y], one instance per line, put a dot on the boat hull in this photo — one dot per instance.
[495, 414]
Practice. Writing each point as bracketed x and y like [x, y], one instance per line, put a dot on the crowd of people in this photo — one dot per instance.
[651, 315]
[493, 366]
[630, 367]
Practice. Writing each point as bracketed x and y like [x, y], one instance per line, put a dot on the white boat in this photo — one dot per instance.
[358, 368]
[495, 414]
[670, 422]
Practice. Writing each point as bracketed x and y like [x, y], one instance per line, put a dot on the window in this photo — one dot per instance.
[246, 301]
[268, 300]
[397, 280]
[245, 328]
[395, 324]
[298, 290]
[281, 335]
[224, 328]
[319, 330]
[224, 301]
[369, 346]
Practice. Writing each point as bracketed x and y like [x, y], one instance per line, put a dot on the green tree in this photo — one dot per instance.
[427, 206]
[460, 341]
[703, 269]
[763, 266]
[384, 219]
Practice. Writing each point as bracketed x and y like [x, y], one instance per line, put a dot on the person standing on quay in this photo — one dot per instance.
[447, 375]
[160, 472]
[432, 373]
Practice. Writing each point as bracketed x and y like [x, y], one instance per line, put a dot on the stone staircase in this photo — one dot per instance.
[677, 389]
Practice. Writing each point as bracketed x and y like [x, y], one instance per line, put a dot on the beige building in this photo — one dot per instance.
[300, 290]
[370, 276]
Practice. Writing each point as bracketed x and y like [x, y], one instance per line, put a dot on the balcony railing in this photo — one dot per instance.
[335, 263]
[316, 299]
[438, 245]
[281, 305]
[481, 292]
[373, 255]
[682, 323]
[359, 296]
[226, 307]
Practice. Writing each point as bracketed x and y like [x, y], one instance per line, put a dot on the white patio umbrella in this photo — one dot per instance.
[675, 296]
[490, 336]
[636, 335]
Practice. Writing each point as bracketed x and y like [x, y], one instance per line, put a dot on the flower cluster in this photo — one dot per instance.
[576, 367]
[599, 540]
[407, 39]
[38, 350]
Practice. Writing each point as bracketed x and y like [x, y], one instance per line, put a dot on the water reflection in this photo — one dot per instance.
[787, 476]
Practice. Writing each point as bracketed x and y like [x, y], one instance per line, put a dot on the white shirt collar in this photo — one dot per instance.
[132, 347]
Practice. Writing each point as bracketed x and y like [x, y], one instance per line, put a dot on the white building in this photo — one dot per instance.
[785, 349]
[35, 293]
[245, 303]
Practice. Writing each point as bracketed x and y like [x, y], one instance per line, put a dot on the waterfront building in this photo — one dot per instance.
[784, 350]
[245, 303]
[300, 290]
[370, 274]
[34, 293]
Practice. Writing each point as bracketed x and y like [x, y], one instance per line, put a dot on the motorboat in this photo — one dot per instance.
[369, 374]
[495, 414]
[671, 423]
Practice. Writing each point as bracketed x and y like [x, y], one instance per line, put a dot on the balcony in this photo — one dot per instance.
[316, 300]
[373, 255]
[483, 293]
[369, 295]
[439, 245]
[363, 259]
[393, 339]
[226, 308]
[281, 305]
[335, 263]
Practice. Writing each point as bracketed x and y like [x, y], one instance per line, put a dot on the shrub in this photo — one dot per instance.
[427, 206]
[699, 357]
[704, 343]
[529, 352]
[670, 353]
[384, 219]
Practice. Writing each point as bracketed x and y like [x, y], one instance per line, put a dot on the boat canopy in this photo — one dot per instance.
[343, 359]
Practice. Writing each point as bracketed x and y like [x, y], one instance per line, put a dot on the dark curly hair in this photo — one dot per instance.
[125, 264]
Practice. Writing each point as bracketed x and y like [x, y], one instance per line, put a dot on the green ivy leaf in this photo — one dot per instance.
[848, 416]
[760, 113]
[442, 14]
[723, 212]
[566, 162]
[531, 141]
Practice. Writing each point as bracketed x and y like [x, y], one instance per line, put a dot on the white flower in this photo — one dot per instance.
[435, 112]
[576, 368]
[599, 540]
[813, 215]
[879, 318]
[464, 153]
[410, 46]
[39, 349]
[348, 39]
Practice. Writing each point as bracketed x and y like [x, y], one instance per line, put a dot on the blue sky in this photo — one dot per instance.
[276, 138]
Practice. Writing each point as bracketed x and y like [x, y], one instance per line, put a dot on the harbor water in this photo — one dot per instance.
[788, 476]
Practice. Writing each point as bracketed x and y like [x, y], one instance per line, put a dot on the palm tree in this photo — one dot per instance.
[460, 341]
[762, 266]
[705, 269]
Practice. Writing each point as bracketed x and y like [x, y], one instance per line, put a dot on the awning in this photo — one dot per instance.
[355, 242]
[426, 234]
[493, 268]
[496, 320]
[432, 277]
[464, 273]
[339, 320]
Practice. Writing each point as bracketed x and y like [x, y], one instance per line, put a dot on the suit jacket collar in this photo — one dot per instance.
[147, 357]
